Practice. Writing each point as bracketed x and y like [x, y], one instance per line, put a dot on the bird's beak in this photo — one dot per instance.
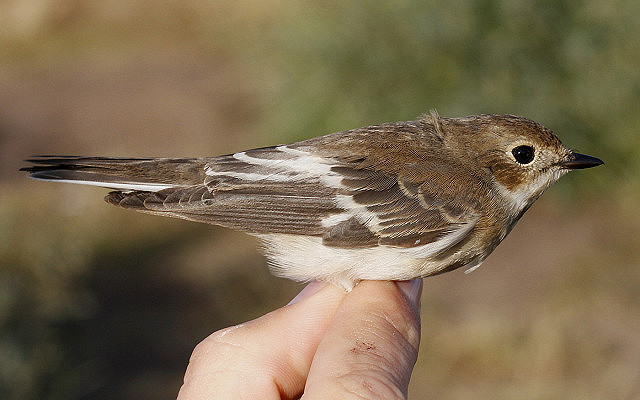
[579, 161]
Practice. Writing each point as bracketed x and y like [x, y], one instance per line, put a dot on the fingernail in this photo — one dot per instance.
[412, 291]
[308, 291]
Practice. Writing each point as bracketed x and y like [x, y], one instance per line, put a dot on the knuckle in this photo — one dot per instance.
[398, 331]
[221, 342]
[382, 355]
[406, 327]
[369, 382]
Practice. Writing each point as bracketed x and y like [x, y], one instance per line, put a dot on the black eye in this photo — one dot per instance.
[523, 154]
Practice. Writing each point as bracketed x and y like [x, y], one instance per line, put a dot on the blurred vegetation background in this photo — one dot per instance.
[101, 303]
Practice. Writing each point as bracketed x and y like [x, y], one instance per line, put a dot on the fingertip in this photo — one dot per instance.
[412, 291]
[269, 354]
[372, 343]
[308, 291]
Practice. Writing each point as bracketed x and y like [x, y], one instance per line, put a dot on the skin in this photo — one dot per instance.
[325, 344]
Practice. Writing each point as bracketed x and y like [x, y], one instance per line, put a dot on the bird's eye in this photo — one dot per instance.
[523, 154]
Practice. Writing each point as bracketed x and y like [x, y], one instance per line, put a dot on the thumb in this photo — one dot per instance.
[370, 347]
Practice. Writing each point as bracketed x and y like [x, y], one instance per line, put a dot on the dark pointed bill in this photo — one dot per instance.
[579, 161]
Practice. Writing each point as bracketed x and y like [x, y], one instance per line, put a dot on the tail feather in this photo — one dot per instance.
[147, 174]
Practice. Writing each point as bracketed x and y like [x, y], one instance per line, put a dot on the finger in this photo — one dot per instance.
[267, 358]
[370, 347]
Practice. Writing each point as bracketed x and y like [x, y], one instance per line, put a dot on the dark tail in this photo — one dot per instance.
[146, 174]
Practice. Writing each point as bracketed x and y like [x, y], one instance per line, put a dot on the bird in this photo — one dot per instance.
[393, 201]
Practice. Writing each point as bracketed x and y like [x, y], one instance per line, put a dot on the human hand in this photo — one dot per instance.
[325, 344]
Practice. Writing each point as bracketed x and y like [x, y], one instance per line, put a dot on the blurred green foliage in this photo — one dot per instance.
[97, 303]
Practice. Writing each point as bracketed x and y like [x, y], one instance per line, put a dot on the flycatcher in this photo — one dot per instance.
[395, 201]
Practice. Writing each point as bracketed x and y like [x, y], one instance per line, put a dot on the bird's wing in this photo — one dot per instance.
[381, 185]
[287, 190]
